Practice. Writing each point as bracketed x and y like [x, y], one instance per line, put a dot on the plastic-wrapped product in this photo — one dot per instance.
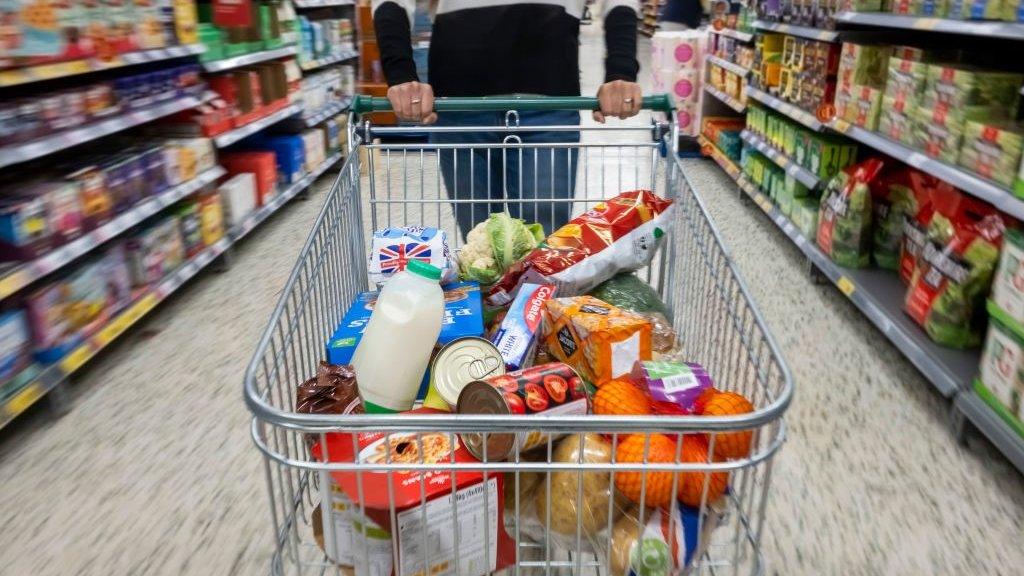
[844, 219]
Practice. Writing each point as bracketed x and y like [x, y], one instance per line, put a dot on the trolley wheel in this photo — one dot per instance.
[58, 400]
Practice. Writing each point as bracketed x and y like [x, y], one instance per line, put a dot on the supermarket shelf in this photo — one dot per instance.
[725, 98]
[802, 31]
[992, 426]
[735, 34]
[51, 71]
[328, 111]
[59, 372]
[230, 137]
[246, 59]
[879, 295]
[17, 153]
[257, 217]
[803, 175]
[321, 3]
[967, 181]
[730, 66]
[339, 56]
[24, 274]
[1011, 30]
[801, 116]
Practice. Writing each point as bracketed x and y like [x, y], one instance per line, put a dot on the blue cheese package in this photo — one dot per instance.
[463, 316]
[392, 248]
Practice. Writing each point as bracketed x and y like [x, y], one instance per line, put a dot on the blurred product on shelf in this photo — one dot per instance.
[676, 68]
[65, 311]
[261, 164]
[326, 89]
[263, 28]
[30, 117]
[724, 133]
[323, 38]
[154, 251]
[15, 345]
[240, 197]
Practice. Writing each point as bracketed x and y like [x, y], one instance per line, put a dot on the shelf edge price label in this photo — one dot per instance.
[76, 358]
[125, 320]
[22, 400]
[846, 286]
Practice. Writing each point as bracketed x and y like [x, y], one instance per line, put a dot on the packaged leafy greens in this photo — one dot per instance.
[915, 227]
[992, 150]
[804, 215]
[901, 195]
[844, 216]
[970, 93]
[947, 291]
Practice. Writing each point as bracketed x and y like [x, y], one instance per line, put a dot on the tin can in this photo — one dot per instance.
[549, 389]
[458, 363]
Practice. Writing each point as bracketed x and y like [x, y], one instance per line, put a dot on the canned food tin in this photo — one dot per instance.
[550, 389]
[458, 363]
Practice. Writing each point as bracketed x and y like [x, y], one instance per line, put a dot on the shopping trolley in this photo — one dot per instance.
[718, 324]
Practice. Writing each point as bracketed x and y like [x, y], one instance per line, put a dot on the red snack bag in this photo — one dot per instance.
[621, 234]
[915, 227]
[954, 271]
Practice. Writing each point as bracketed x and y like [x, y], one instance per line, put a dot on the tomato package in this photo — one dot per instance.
[618, 235]
[844, 216]
[600, 341]
[422, 505]
[953, 273]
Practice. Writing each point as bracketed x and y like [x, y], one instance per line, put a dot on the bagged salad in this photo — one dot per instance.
[947, 290]
[618, 235]
[901, 196]
[915, 227]
[844, 216]
[493, 245]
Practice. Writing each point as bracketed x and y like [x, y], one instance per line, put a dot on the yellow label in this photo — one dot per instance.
[10, 284]
[74, 361]
[840, 125]
[764, 203]
[782, 161]
[845, 285]
[10, 77]
[925, 24]
[130, 316]
[24, 399]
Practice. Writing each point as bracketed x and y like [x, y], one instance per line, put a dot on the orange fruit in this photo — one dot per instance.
[702, 399]
[658, 485]
[691, 484]
[729, 444]
[621, 397]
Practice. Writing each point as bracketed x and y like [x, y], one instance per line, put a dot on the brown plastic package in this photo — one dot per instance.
[332, 391]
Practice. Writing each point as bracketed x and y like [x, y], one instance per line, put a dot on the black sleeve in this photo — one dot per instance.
[620, 43]
[394, 38]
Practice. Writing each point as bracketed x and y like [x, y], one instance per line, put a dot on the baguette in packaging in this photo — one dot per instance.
[600, 341]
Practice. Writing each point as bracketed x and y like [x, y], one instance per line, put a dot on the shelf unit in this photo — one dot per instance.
[34, 149]
[21, 275]
[231, 136]
[969, 182]
[730, 66]
[726, 99]
[745, 37]
[1007, 30]
[785, 108]
[247, 59]
[802, 31]
[52, 71]
[970, 406]
[326, 112]
[802, 175]
[56, 374]
[337, 57]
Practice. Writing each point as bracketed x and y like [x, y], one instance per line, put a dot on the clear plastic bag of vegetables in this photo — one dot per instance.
[844, 217]
[954, 271]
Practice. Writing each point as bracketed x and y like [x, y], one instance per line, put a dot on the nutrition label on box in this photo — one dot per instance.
[440, 535]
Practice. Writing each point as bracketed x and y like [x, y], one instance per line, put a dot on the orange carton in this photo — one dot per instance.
[600, 341]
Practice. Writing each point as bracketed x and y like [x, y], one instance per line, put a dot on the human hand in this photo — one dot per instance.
[413, 101]
[618, 98]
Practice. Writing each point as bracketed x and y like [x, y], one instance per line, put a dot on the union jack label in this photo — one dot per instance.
[395, 257]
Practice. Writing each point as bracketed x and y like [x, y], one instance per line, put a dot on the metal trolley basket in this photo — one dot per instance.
[718, 325]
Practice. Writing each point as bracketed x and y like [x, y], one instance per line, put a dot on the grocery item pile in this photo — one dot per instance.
[524, 325]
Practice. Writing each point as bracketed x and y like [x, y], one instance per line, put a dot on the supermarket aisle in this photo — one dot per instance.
[153, 472]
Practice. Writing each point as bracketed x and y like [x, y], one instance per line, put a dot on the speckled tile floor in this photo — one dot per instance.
[153, 472]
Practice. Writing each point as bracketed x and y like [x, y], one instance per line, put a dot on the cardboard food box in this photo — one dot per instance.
[97, 204]
[463, 316]
[992, 150]
[425, 505]
[314, 148]
[155, 251]
[970, 93]
[211, 217]
[896, 123]
[906, 82]
[1001, 383]
[864, 106]
[863, 65]
[15, 343]
[1008, 284]
[187, 214]
[239, 196]
[24, 227]
[262, 165]
[938, 134]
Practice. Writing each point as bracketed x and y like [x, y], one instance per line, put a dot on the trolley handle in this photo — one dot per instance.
[363, 104]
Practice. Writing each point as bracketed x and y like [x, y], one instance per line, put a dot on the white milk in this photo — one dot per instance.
[395, 349]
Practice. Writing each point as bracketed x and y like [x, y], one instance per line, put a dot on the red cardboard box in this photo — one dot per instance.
[410, 504]
[262, 165]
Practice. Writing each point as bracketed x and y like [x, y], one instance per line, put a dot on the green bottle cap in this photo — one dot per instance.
[424, 269]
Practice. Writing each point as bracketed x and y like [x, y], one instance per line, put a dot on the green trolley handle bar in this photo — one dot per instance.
[364, 104]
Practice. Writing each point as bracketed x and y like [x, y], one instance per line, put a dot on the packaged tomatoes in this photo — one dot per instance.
[618, 235]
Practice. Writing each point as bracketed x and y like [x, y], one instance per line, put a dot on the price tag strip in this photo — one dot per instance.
[803, 175]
